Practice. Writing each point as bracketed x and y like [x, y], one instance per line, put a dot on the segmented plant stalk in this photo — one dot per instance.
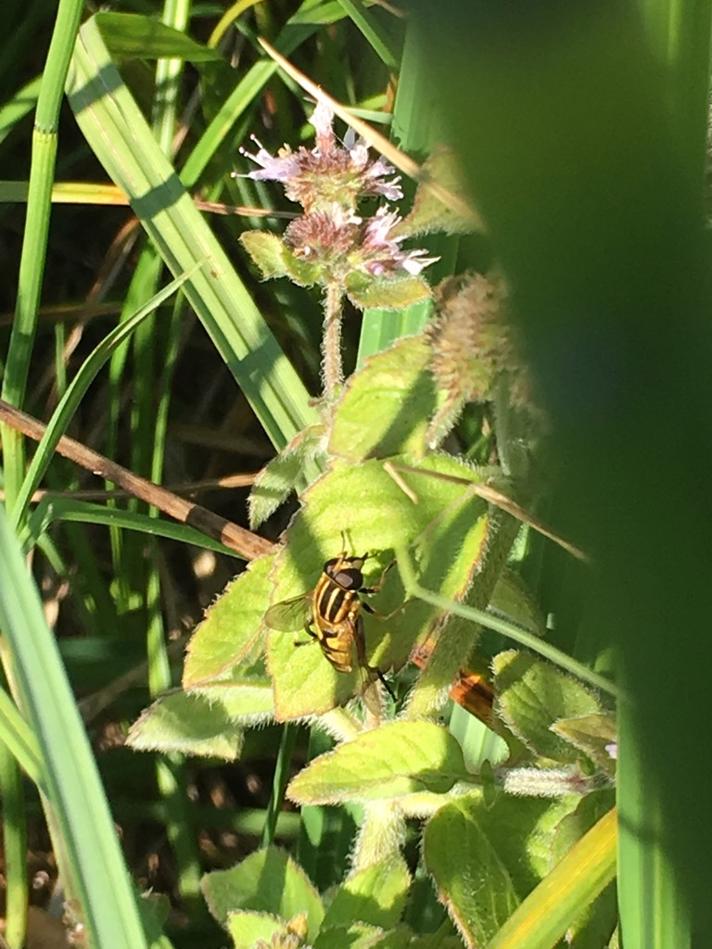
[332, 370]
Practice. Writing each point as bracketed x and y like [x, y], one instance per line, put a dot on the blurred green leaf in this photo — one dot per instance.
[143, 37]
[189, 724]
[396, 759]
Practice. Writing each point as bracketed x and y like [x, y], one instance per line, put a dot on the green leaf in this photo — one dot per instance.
[512, 597]
[532, 695]
[593, 735]
[247, 927]
[143, 37]
[275, 259]
[375, 895]
[188, 724]
[429, 214]
[232, 627]
[396, 759]
[281, 475]
[364, 504]
[387, 293]
[386, 405]
[267, 881]
[246, 700]
[355, 936]
[596, 923]
[546, 913]
[471, 878]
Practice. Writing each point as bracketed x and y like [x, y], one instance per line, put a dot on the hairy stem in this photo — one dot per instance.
[331, 369]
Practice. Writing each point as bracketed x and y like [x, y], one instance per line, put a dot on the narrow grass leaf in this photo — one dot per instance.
[72, 781]
[52, 509]
[116, 130]
[69, 403]
[19, 739]
[545, 914]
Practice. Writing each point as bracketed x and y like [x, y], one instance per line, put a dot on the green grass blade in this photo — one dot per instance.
[73, 785]
[34, 241]
[118, 133]
[370, 26]
[14, 838]
[68, 404]
[16, 735]
[18, 107]
[652, 907]
[541, 920]
[84, 512]
[244, 93]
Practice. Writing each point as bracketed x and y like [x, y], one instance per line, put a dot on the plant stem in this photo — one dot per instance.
[331, 368]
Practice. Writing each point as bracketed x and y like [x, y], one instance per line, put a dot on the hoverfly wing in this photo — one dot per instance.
[289, 614]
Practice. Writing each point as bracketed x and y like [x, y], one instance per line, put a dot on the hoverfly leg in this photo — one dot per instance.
[306, 642]
[373, 671]
[381, 616]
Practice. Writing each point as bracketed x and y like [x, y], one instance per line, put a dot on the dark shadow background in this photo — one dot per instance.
[585, 154]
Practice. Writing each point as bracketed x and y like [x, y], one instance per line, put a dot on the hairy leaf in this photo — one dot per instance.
[281, 475]
[532, 695]
[594, 735]
[189, 724]
[375, 895]
[247, 927]
[354, 936]
[396, 759]
[232, 627]
[386, 293]
[471, 878]
[275, 259]
[245, 700]
[267, 881]
[386, 406]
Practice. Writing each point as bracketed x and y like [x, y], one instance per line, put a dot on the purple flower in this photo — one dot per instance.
[382, 255]
[329, 173]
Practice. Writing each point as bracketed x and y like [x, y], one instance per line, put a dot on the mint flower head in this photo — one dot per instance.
[341, 244]
[333, 244]
[330, 173]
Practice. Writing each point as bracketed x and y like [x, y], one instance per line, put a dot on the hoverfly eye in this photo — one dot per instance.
[349, 579]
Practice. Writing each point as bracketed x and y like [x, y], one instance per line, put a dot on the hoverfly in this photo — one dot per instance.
[331, 614]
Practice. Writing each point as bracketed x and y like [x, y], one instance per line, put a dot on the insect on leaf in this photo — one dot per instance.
[290, 614]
